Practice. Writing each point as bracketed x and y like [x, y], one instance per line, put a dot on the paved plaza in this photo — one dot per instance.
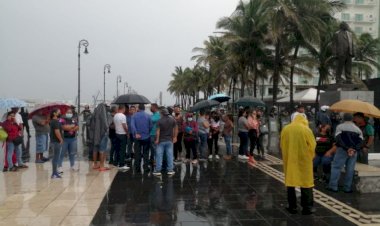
[214, 192]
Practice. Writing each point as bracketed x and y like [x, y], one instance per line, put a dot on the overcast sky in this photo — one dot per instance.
[142, 40]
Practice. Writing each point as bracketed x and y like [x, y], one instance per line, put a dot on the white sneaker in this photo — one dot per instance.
[210, 157]
[124, 168]
[157, 174]
[170, 173]
[243, 157]
[217, 157]
[194, 161]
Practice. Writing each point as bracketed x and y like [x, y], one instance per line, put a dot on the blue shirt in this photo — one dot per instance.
[141, 124]
[155, 117]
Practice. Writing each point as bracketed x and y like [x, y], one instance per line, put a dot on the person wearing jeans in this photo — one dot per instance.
[70, 128]
[56, 140]
[121, 128]
[227, 134]
[203, 130]
[13, 130]
[349, 139]
[166, 135]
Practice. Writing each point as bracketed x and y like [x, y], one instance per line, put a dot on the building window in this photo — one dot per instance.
[345, 16]
[358, 30]
[359, 2]
[358, 17]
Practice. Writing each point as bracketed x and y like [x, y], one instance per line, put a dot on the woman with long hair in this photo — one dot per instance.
[253, 130]
[227, 134]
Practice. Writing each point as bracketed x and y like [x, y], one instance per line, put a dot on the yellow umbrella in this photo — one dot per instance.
[353, 106]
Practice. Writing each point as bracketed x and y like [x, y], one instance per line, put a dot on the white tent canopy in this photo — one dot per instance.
[305, 96]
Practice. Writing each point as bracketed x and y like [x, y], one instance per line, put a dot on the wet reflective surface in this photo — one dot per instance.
[212, 193]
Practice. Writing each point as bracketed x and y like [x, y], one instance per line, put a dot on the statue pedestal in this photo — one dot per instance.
[331, 97]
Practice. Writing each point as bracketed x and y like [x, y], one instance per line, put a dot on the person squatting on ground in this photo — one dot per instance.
[298, 148]
[120, 121]
[42, 129]
[349, 140]
[70, 129]
[190, 138]
[203, 131]
[141, 127]
[165, 138]
[56, 140]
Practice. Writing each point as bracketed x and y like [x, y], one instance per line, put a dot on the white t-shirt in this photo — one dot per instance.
[119, 119]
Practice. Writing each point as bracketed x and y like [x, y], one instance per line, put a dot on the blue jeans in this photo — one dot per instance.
[227, 140]
[243, 147]
[320, 159]
[69, 146]
[10, 149]
[202, 145]
[341, 158]
[56, 154]
[165, 147]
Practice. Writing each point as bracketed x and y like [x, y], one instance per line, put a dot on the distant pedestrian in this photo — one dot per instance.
[243, 128]
[213, 136]
[25, 117]
[165, 138]
[190, 138]
[70, 129]
[227, 134]
[349, 139]
[112, 136]
[253, 130]
[368, 134]
[131, 139]
[141, 127]
[203, 133]
[298, 149]
[120, 121]
[86, 113]
[56, 140]
[155, 117]
[178, 145]
[42, 129]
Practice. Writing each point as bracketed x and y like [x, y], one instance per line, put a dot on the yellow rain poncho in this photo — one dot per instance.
[298, 149]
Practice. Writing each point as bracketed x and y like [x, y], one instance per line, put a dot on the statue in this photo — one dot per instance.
[343, 50]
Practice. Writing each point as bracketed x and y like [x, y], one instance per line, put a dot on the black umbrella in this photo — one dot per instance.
[204, 104]
[249, 101]
[131, 99]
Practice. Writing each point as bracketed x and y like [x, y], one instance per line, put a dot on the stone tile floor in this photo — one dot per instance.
[212, 193]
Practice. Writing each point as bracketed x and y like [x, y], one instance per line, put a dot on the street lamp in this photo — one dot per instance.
[84, 43]
[125, 85]
[108, 67]
[118, 80]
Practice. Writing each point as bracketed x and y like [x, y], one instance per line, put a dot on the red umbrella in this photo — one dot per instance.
[45, 109]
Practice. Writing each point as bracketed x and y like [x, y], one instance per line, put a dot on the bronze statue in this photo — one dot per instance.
[343, 50]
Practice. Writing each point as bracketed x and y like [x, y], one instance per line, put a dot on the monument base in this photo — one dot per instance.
[331, 97]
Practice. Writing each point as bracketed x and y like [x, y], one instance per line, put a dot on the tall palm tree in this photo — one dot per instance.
[366, 53]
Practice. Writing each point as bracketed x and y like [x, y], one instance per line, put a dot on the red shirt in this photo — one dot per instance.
[12, 129]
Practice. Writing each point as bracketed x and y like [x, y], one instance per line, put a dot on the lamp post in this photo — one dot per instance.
[118, 80]
[125, 85]
[108, 67]
[84, 43]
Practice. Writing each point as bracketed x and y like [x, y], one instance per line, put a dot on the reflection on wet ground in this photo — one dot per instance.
[212, 193]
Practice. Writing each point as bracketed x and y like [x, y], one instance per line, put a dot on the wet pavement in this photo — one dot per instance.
[212, 193]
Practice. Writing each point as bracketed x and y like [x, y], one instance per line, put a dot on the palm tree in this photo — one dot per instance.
[366, 53]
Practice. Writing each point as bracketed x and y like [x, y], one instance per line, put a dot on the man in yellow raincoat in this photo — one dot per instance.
[298, 149]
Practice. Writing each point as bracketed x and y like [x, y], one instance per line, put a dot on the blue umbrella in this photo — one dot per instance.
[220, 97]
[6, 103]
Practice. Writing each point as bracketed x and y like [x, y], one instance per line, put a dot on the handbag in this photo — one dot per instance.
[3, 134]
[18, 140]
